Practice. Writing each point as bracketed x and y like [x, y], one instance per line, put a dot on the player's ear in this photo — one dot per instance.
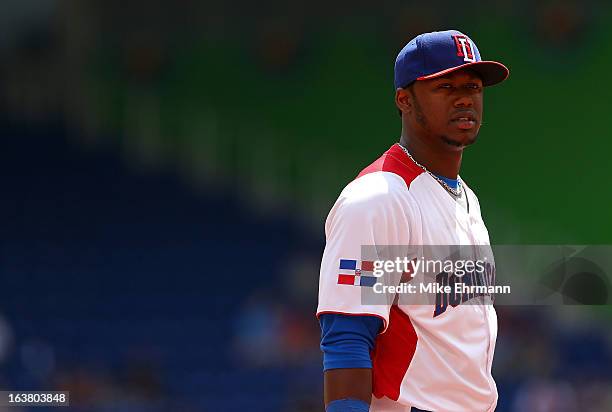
[403, 100]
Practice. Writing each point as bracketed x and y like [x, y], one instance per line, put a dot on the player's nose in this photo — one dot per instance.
[464, 101]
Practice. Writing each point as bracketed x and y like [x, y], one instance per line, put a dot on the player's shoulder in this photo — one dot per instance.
[372, 188]
[376, 199]
[467, 188]
[471, 194]
[387, 177]
[394, 162]
[383, 186]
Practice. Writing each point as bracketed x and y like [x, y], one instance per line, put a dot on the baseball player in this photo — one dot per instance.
[412, 358]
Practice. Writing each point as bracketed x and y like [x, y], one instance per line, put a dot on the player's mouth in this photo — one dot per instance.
[464, 120]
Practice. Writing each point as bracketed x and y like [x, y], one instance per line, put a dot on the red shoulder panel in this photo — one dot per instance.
[395, 161]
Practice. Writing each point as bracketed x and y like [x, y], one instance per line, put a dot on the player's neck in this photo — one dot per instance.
[442, 163]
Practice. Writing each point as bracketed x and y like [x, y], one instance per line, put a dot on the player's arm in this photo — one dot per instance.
[347, 384]
[364, 215]
[346, 342]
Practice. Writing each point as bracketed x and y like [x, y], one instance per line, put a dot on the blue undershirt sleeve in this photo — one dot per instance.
[346, 340]
[347, 405]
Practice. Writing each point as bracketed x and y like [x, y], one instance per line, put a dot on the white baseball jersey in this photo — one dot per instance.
[427, 358]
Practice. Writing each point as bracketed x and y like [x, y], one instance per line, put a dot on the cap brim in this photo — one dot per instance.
[491, 72]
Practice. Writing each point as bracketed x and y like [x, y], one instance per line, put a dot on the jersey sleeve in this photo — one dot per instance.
[370, 217]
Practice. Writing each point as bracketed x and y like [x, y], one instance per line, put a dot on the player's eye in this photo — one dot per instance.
[445, 86]
[474, 86]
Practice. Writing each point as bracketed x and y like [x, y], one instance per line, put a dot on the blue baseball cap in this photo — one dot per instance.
[430, 55]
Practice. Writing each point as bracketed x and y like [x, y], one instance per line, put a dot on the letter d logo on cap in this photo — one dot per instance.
[465, 48]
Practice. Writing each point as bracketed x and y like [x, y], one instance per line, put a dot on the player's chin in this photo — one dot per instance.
[459, 141]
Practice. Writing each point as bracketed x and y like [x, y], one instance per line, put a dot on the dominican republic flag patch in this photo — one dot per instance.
[356, 273]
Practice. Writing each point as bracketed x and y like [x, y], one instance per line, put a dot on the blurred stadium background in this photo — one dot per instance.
[166, 171]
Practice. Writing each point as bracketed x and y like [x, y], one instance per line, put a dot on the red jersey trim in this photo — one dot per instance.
[395, 161]
[393, 351]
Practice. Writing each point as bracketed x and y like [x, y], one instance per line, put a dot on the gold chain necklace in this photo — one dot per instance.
[455, 192]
